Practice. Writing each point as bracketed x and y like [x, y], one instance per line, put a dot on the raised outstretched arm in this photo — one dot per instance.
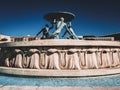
[39, 32]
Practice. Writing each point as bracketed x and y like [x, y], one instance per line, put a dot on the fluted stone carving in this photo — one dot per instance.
[115, 56]
[56, 58]
[18, 58]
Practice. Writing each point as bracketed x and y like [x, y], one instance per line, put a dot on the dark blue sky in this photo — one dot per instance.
[93, 17]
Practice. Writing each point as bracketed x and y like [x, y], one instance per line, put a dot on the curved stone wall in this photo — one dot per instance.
[60, 54]
[72, 58]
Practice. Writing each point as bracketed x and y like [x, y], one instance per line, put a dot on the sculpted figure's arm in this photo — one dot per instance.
[64, 33]
[51, 27]
[71, 31]
[43, 30]
[40, 32]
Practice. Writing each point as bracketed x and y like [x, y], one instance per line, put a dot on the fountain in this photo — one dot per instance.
[55, 55]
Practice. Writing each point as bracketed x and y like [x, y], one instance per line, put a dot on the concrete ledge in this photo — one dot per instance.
[61, 42]
[59, 73]
[56, 88]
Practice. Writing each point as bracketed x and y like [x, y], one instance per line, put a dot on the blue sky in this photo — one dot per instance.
[92, 17]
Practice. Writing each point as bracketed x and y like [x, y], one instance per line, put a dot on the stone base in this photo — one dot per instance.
[59, 73]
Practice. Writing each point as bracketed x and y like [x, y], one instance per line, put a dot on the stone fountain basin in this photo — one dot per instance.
[63, 72]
